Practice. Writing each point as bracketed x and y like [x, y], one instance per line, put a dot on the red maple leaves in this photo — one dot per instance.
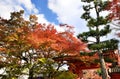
[114, 8]
[46, 37]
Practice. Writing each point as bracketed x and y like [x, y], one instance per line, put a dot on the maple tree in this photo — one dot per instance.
[47, 38]
[50, 43]
[13, 42]
[28, 48]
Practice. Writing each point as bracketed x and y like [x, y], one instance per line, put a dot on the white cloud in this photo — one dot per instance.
[41, 19]
[69, 11]
[65, 9]
[28, 5]
[8, 6]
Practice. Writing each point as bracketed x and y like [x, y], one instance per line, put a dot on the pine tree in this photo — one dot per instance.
[95, 24]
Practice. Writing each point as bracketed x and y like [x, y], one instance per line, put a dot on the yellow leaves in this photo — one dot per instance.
[12, 37]
[43, 60]
[14, 78]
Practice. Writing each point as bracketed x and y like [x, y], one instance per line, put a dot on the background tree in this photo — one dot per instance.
[114, 13]
[14, 44]
[98, 27]
[28, 48]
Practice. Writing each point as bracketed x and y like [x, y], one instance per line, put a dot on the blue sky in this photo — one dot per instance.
[42, 6]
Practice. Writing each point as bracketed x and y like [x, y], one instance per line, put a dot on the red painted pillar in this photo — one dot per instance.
[119, 60]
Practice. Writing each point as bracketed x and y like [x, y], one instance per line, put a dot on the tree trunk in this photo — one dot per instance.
[103, 66]
[30, 73]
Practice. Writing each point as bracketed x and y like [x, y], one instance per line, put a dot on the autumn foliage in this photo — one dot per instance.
[46, 37]
[29, 45]
[114, 8]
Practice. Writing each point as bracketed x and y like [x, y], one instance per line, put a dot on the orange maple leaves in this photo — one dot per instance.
[46, 37]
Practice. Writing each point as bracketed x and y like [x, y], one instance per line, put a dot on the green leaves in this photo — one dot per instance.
[88, 1]
[94, 33]
[105, 45]
[105, 31]
[97, 22]
[86, 14]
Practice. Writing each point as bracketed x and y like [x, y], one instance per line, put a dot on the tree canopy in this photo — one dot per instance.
[28, 47]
